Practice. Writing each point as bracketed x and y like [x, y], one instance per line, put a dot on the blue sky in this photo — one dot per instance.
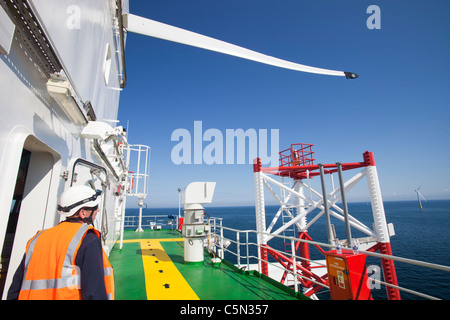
[398, 108]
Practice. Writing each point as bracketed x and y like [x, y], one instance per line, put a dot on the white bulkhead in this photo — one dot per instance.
[42, 151]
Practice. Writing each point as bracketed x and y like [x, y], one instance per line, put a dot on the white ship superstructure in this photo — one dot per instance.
[62, 67]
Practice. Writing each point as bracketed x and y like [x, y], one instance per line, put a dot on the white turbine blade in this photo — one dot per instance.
[163, 31]
[421, 195]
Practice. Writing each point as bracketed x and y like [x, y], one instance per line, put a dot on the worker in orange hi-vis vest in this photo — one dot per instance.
[66, 262]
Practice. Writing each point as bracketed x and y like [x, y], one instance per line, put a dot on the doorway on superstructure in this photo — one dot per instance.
[14, 215]
[33, 202]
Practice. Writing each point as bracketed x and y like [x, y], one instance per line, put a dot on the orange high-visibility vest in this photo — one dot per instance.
[50, 270]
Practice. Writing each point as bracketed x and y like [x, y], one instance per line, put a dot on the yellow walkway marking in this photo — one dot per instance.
[163, 281]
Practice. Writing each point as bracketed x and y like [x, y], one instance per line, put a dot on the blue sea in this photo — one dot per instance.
[419, 234]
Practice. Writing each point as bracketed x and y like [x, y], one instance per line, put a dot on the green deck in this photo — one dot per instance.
[222, 282]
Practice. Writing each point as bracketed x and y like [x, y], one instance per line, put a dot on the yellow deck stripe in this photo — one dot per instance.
[163, 281]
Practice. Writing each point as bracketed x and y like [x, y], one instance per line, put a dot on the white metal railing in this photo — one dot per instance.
[152, 222]
[246, 249]
[247, 256]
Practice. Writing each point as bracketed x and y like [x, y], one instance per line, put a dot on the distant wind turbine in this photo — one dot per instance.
[419, 195]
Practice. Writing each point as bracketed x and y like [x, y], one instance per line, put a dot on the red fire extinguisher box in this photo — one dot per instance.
[347, 275]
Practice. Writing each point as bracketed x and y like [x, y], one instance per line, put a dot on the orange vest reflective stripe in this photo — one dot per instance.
[50, 270]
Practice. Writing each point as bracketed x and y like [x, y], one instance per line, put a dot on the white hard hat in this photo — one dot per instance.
[77, 197]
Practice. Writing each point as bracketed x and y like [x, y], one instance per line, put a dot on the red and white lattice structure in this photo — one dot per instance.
[301, 206]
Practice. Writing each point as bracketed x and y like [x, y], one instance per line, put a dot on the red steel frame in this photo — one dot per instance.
[297, 154]
[295, 163]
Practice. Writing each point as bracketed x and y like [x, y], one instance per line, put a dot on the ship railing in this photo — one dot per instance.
[153, 222]
[241, 248]
[244, 248]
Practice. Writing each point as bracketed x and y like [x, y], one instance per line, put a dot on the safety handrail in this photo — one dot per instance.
[162, 220]
[330, 246]
[217, 229]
